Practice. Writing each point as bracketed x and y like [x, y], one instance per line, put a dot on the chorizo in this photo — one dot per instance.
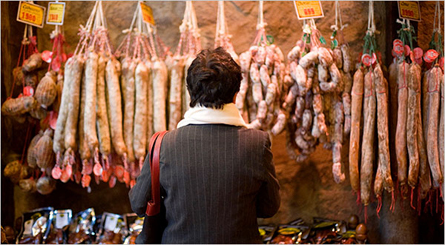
[412, 123]
[84, 150]
[185, 93]
[401, 148]
[115, 107]
[308, 59]
[347, 63]
[46, 91]
[101, 110]
[18, 106]
[384, 167]
[424, 170]
[160, 77]
[73, 105]
[128, 76]
[369, 109]
[140, 123]
[89, 126]
[441, 126]
[149, 105]
[434, 80]
[175, 103]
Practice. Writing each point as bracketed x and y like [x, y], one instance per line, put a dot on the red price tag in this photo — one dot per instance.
[430, 55]
[418, 53]
[366, 59]
[407, 50]
[398, 47]
[46, 56]
[28, 91]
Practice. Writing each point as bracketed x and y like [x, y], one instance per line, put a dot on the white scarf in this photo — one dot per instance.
[204, 115]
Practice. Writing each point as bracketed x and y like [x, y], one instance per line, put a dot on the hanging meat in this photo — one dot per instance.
[260, 97]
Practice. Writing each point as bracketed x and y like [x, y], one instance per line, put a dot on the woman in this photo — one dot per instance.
[217, 175]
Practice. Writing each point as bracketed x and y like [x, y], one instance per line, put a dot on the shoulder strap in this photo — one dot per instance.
[154, 205]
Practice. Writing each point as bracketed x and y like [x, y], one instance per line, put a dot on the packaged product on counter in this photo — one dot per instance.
[35, 226]
[266, 232]
[59, 226]
[111, 229]
[327, 231]
[289, 234]
[134, 227]
[81, 227]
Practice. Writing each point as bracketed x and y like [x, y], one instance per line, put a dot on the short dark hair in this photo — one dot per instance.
[213, 79]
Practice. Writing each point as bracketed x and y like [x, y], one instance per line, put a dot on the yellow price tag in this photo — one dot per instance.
[308, 9]
[409, 10]
[56, 13]
[31, 14]
[147, 14]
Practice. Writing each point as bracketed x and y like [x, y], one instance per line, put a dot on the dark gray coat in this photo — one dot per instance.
[217, 179]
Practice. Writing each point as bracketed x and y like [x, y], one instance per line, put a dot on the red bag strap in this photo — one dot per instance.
[154, 205]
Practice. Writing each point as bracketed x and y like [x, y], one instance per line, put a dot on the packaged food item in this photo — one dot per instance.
[327, 231]
[134, 225]
[59, 226]
[81, 227]
[287, 234]
[35, 226]
[111, 229]
[267, 232]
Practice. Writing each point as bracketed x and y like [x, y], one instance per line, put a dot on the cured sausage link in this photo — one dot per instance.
[433, 112]
[401, 148]
[354, 144]
[412, 123]
[115, 107]
[369, 109]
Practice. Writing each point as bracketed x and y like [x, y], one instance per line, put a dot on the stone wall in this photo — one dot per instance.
[308, 189]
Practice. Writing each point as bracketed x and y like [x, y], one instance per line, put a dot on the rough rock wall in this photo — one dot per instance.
[241, 18]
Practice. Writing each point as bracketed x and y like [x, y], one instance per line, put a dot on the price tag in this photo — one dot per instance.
[28, 91]
[418, 53]
[56, 13]
[409, 10]
[31, 14]
[27, 227]
[62, 220]
[110, 222]
[407, 50]
[308, 9]
[366, 59]
[147, 14]
[398, 47]
[430, 55]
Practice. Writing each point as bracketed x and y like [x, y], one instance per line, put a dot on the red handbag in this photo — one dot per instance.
[154, 205]
[154, 222]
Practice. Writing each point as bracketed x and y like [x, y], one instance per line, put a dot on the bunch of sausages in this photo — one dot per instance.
[318, 101]
[418, 131]
[259, 99]
[370, 92]
[188, 46]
